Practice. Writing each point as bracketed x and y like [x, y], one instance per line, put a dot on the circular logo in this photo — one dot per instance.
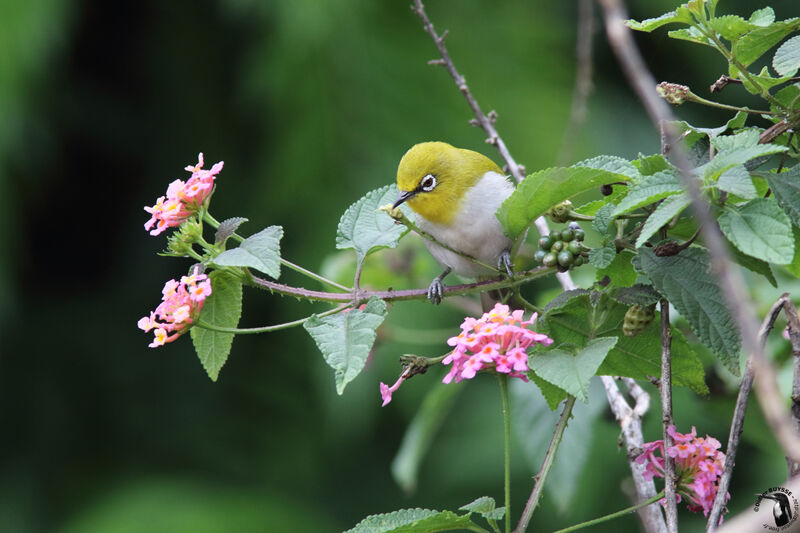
[779, 506]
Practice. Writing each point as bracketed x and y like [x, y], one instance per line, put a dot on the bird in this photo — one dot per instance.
[455, 193]
[781, 510]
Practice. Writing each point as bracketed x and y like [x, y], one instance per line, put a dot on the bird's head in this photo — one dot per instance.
[434, 176]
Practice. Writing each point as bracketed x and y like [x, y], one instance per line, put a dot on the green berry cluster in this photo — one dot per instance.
[563, 249]
[637, 318]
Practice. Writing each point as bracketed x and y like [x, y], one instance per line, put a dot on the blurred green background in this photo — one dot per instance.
[310, 104]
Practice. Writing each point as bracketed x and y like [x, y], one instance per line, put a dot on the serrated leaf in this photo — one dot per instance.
[753, 44]
[345, 339]
[786, 60]
[223, 308]
[685, 281]
[743, 139]
[650, 164]
[529, 414]
[650, 189]
[603, 218]
[413, 521]
[573, 371]
[754, 265]
[666, 211]
[620, 271]
[575, 320]
[602, 257]
[227, 228]
[639, 294]
[736, 180]
[761, 229]
[611, 163]
[731, 27]
[485, 505]
[763, 17]
[690, 34]
[727, 159]
[542, 190]
[365, 229]
[593, 207]
[756, 83]
[786, 188]
[261, 251]
[420, 433]
[648, 25]
[794, 266]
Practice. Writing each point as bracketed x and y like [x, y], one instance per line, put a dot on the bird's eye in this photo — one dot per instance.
[428, 183]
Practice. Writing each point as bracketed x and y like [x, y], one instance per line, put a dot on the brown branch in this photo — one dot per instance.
[630, 421]
[583, 80]
[665, 386]
[737, 424]
[794, 338]
[731, 282]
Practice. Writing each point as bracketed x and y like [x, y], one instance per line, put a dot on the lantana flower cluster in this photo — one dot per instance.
[698, 465]
[180, 306]
[183, 199]
[498, 340]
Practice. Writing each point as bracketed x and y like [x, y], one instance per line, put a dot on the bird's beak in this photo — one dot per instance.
[404, 195]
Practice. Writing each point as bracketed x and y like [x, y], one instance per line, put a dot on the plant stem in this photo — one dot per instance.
[549, 458]
[265, 329]
[503, 380]
[612, 516]
[671, 507]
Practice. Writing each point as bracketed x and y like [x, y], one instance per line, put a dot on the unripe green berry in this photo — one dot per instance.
[579, 235]
[549, 260]
[575, 247]
[539, 256]
[565, 258]
[557, 246]
[567, 235]
[546, 242]
[579, 260]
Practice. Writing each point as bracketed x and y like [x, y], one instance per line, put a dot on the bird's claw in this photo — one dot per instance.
[504, 263]
[435, 291]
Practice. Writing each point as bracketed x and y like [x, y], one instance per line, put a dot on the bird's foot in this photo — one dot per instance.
[436, 288]
[504, 263]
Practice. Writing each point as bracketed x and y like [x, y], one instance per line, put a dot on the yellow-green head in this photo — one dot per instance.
[434, 176]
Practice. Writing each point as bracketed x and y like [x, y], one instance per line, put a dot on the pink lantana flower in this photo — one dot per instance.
[698, 465]
[497, 340]
[180, 306]
[183, 199]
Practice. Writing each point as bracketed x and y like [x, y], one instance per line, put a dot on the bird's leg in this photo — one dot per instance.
[435, 289]
[504, 263]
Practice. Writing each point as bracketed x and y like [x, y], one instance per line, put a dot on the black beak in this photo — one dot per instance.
[404, 195]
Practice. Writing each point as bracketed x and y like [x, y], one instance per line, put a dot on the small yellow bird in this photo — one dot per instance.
[455, 193]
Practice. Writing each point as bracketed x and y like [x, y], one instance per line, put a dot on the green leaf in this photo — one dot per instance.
[650, 164]
[754, 265]
[736, 180]
[602, 257]
[603, 218]
[485, 506]
[553, 395]
[572, 371]
[761, 229]
[420, 433]
[731, 27]
[685, 281]
[222, 307]
[666, 211]
[690, 34]
[743, 139]
[727, 159]
[261, 251]
[639, 294]
[591, 208]
[763, 17]
[413, 521]
[578, 317]
[786, 188]
[680, 16]
[794, 266]
[345, 339]
[651, 189]
[611, 163]
[227, 227]
[753, 44]
[787, 57]
[620, 271]
[365, 229]
[764, 80]
[542, 190]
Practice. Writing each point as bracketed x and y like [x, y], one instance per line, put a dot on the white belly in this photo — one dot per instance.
[475, 231]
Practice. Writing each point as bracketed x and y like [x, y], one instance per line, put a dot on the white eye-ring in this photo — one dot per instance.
[428, 183]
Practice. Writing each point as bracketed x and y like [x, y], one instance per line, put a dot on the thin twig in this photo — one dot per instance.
[737, 424]
[630, 422]
[583, 80]
[794, 338]
[731, 282]
[667, 421]
[549, 458]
